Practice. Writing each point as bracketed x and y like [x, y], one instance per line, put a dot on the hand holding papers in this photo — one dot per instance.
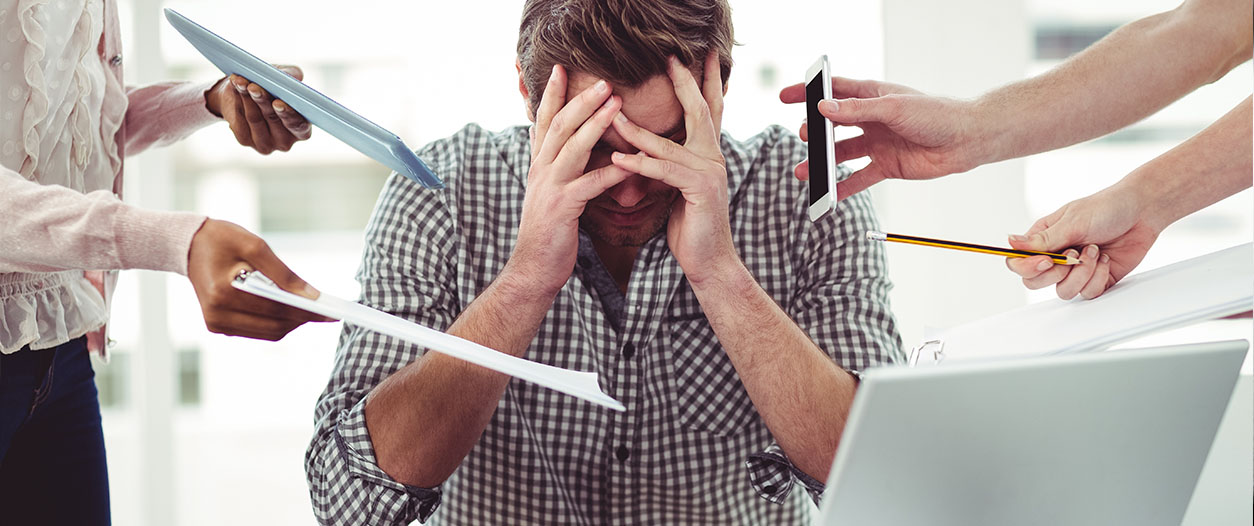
[578, 384]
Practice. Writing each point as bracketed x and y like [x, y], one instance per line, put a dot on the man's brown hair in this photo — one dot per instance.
[624, 42]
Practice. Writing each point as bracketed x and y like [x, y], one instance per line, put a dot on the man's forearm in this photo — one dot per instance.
[1208, 167]
[425, 418]
[1128, 75]
[802, 395]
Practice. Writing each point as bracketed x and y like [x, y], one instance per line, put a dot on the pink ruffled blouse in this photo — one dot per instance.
[66, 122]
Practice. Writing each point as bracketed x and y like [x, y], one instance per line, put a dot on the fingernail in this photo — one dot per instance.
[601, 86]
[278, 108]
[311, 292]
[618, 156]
[621, 118]
[1090, 251]
[1071, 252]
[828, 105]
[239, 88]
[1044, 265]
[1018, 238]
[255, 94]
[1105, 258]
[553, 74]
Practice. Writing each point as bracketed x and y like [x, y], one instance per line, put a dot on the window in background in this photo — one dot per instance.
[112, 379]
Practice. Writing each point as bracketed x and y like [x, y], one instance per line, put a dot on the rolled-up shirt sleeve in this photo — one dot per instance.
[407, 270]
[773, 476]
[346, 484]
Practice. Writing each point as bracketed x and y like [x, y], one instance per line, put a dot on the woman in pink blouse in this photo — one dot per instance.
[66, 122]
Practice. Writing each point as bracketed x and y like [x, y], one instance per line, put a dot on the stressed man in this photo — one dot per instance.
[621, 233]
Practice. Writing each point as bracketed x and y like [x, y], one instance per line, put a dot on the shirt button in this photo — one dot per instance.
[629, 350]
[622, 453]
[769, 489]
[116, 60]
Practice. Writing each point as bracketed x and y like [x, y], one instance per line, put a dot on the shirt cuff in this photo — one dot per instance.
[353, 441]
[155, 239]
[773, 476]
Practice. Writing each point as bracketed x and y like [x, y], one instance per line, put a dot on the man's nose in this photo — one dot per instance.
[629, 192]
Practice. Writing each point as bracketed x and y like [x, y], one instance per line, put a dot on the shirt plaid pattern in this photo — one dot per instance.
[690, 449]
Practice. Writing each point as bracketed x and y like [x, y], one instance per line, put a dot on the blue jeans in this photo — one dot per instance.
[52, 456]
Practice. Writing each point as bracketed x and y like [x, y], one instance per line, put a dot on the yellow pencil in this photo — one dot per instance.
[1059, 259]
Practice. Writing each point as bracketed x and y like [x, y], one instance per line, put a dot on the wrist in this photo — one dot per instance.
[211, 98]
[518, 285]
[991, 138]
[1153, 202]
[730, 274]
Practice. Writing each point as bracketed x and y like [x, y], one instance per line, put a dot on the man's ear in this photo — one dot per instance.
[522, 88]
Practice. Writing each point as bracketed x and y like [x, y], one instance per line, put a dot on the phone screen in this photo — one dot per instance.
[816, 138]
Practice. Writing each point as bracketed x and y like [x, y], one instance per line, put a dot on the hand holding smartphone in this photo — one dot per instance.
[822, 151]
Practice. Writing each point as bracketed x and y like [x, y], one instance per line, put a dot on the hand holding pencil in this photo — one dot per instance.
[1110, 228]
[1113, 230]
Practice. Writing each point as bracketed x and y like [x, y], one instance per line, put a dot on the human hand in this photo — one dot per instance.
[220, 250]
[562, 140]
[907, 134]
[1111, 228]
[257, 119]
[698, 232]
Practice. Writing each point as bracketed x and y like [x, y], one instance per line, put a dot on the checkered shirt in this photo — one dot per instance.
[690, 449]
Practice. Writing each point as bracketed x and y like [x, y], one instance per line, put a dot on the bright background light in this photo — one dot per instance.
[203, 429]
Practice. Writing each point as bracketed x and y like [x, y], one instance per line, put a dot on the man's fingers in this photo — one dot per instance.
[666, 171]
[574, 154]
[594, 183]
[697, 118]
[859, 181]
[570, 119]
[804, 132]
[1078, 277]
[712, 90]
[655, 146]
[551, 102]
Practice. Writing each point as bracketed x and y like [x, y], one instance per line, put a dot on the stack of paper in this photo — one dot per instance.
[1202, 288]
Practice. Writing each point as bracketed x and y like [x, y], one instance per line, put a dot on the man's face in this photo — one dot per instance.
[631, 212]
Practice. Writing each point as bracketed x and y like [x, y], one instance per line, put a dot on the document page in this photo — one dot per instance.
[582, 385]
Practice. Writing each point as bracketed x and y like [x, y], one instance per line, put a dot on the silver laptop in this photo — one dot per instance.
[1116, 437]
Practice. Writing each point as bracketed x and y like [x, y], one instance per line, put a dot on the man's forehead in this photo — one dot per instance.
[651, 105]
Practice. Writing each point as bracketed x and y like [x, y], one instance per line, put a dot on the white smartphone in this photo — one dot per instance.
[819, 137]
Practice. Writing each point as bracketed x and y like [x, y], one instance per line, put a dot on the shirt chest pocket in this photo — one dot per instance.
[706, 393]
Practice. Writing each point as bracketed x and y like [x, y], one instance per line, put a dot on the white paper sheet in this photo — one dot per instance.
[575, 383]
[1206, 287]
